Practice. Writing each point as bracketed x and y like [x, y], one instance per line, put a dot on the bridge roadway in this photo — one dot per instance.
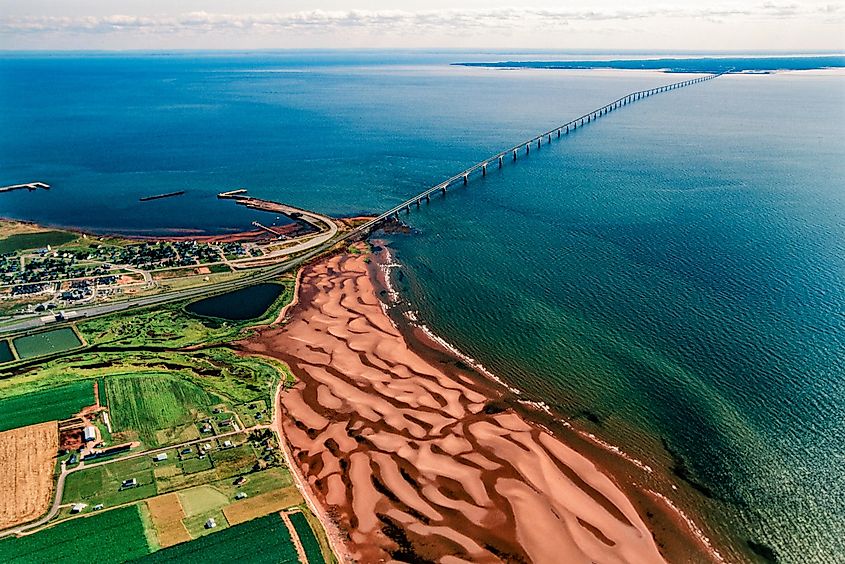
[33, 323]
[513, 152]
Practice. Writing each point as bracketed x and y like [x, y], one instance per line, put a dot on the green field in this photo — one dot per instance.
[309, 540]
[111, 536]
[48, 405]
[260, 541]
[150, 402]
[48, 342]
[101, 484]
[23, 241]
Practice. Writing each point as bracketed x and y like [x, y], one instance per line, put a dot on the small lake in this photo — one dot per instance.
[240, 305]
[6, 352]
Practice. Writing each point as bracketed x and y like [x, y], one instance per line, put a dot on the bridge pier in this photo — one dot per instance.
[550, 137]
[419, 200]
[466, 179]
[501, 161]
[514, 154]
[539, 140]
[527, 148]
[484, 169]
[558, 133]
[428, 197]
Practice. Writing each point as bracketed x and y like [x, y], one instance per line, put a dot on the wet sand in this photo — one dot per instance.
[417, 459]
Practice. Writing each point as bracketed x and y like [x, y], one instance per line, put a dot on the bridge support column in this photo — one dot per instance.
[419, 200]
[408, 209]
[466, 178]
[484, 169]
[501, 161]
[558, 133]
[527, 148]
[428, 198]
[550, 137]
[538, 142]
[443, 189]
[514, 154]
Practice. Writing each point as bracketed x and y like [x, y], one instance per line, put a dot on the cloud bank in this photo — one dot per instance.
[400, 21]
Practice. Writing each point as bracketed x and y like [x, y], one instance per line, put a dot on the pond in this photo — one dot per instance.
[6, 352]
[247, 303]
[48, 342]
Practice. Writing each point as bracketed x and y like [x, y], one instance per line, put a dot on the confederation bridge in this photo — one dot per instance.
[513, 153]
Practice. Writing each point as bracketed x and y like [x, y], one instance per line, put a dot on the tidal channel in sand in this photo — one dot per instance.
[416, 459]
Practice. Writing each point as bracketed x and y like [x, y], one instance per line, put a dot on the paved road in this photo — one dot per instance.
[259, 276]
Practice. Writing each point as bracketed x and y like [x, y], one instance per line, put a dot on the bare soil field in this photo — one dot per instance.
[260, 505]
[27, 460]
[167, 514]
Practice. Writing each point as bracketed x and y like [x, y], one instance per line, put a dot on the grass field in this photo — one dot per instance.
[307, 537]
[170, 326]
[101, 484]
[111, 536]
[24, 241]
[48, 342]
[48, 405]
[260, 541]
[151, 402]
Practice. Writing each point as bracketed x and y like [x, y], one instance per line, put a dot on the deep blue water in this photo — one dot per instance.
[676, 269]
[239, 305]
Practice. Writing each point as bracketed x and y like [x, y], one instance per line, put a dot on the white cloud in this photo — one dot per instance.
[400, 21]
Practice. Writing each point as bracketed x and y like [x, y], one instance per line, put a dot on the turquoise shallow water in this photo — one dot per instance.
[677, 269]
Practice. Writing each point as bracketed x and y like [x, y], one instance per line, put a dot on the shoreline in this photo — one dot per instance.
[337, 485]
[536, 410]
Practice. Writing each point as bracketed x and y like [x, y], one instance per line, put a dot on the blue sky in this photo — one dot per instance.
[540, 24]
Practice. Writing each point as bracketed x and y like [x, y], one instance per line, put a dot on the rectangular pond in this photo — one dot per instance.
[45, 343]
[6, 354]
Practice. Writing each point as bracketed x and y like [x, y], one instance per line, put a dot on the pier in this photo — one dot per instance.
[555, 133]
[31, 186]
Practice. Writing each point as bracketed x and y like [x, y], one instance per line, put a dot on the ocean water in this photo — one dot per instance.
[675, 270]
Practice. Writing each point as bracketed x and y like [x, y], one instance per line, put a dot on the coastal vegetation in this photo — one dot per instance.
[39, 239]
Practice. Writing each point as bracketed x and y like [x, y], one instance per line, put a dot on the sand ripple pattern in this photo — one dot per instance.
[413, 461]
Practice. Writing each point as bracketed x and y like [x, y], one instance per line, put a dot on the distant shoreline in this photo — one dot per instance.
[763, 65]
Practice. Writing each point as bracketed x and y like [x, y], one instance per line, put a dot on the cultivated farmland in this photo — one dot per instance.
[52, 404]
[152, 402]
[260, 541]
[48, 342]
[167, 514]
[111, 536]
[307, 537]
[27, 460]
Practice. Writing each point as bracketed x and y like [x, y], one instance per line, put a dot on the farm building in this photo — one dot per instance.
[240, 495]
[130, 483]
[98, 507]
[77, 508]
[211, 523]
[160, 457]
[89, 433]
[227, 444]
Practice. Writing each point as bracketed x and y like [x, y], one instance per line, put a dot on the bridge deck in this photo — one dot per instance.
[556, 132]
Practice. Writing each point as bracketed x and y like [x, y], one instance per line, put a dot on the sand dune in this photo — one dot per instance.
[413, 461]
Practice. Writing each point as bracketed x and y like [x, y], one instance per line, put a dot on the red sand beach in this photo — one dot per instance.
[411, 458]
